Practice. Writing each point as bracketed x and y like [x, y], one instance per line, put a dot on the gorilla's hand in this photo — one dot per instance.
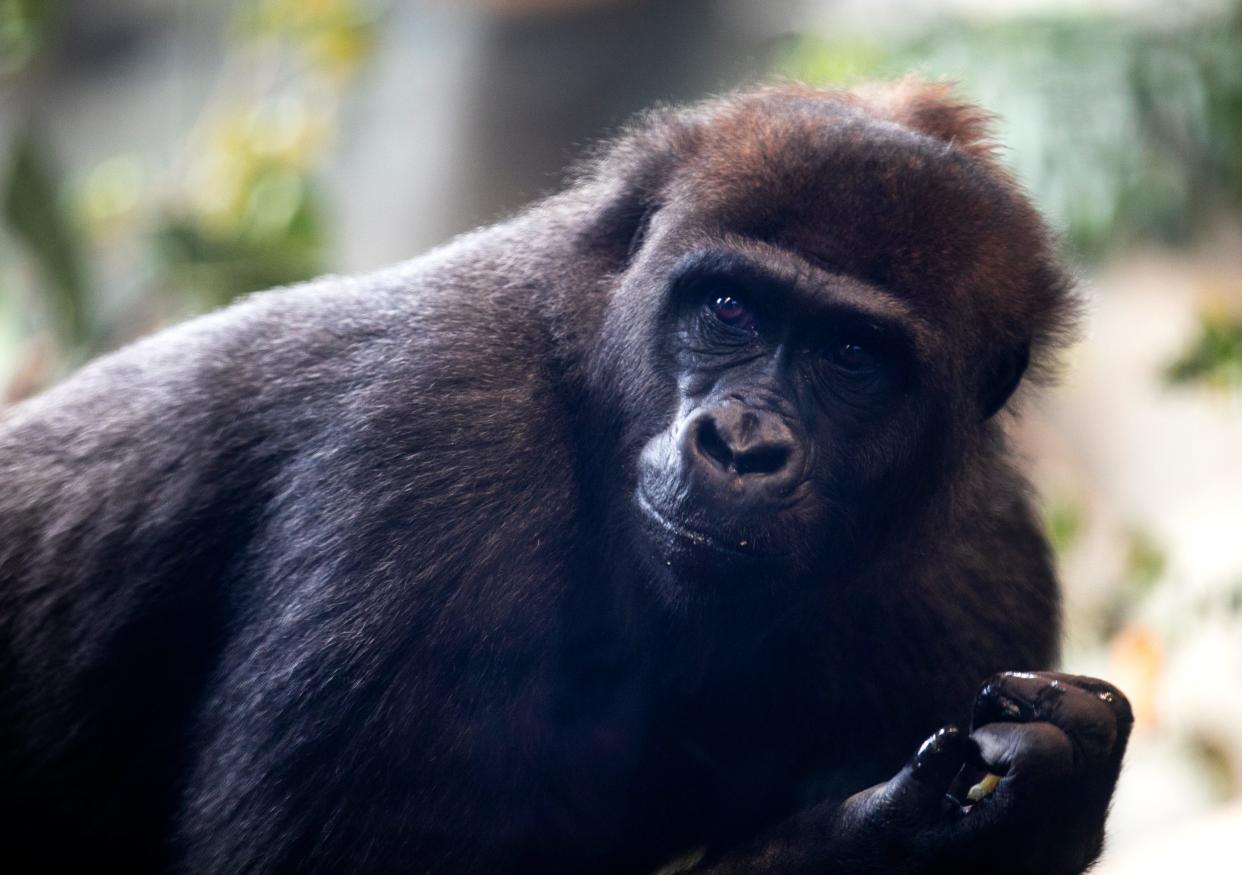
[1056, 742]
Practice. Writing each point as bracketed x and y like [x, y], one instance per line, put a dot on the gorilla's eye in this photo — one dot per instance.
[858, 360]
[733, 313]
[854, 357]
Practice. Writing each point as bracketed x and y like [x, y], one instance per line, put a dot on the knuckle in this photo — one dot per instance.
[1110, 696]
[992, 686]
[1025, 675]
[1119, 703]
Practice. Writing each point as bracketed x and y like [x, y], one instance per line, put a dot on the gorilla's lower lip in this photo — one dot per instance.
[740, 549]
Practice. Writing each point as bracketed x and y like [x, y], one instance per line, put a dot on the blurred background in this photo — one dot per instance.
[160, 157]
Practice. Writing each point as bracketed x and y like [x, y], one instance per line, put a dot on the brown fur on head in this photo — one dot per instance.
[896, 185]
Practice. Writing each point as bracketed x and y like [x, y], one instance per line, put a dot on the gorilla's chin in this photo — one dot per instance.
[691, 559]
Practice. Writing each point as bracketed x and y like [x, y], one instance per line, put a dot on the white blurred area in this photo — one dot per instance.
[1137, 454]
[1205, 844]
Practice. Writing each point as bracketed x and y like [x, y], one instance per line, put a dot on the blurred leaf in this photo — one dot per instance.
[1145, 561]
[24, 25]
[240, 210]
[333, 36]
[1145, 565]
[111, 193]
[1063, 525]
[280, 240]
[33, 210]
[1217, 758]
[819, 59]
[1234, 598]
[1214, 357]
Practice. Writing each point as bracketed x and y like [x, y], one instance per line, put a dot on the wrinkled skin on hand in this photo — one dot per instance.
[1055, 740]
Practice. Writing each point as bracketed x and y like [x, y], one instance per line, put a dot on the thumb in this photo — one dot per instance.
[920, 787]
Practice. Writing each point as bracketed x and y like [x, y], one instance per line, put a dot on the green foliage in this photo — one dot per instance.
[1215, 757]
[1145, 564]
[236, 209]
[212, 267]
[1145, 561]
[333, 36]
[24, 25]
[34, 213]
[248, 216]
[1063, 525]
[1214, 356]
[1121, 131]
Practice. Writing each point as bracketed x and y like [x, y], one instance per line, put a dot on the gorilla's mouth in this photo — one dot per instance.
[697, 539]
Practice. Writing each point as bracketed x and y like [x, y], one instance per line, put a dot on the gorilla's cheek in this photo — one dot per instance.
[660, 477]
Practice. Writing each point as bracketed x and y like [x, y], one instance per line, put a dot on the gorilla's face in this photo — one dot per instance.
[808, 349]
[798, 409]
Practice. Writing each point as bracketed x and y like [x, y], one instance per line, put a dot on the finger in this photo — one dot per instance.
[972, 782]
[1038, 795]
[1102, 690]
[921, 786]
[1025, 755]
[1024, 820]
[1090, 722]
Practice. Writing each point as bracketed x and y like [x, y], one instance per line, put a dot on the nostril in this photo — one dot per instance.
[764, 459]
[742, 443]
[711, 444]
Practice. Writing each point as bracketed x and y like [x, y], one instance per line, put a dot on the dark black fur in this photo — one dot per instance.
[351, 576]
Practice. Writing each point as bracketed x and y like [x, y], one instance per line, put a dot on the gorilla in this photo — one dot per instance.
[669, 525]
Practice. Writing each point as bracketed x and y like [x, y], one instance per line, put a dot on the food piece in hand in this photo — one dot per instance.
[983, 789]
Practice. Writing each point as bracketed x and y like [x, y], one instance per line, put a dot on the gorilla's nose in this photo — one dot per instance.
[754, 448]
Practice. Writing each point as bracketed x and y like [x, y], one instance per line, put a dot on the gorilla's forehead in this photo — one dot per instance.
[861, 196]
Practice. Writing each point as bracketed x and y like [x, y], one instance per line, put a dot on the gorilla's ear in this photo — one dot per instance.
[627, 184]
[620, 224]
[1002, 378]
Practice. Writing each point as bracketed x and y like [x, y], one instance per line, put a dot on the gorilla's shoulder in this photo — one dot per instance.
[402, 365]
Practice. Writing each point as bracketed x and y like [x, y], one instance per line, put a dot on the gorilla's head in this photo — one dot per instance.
[822, 308]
